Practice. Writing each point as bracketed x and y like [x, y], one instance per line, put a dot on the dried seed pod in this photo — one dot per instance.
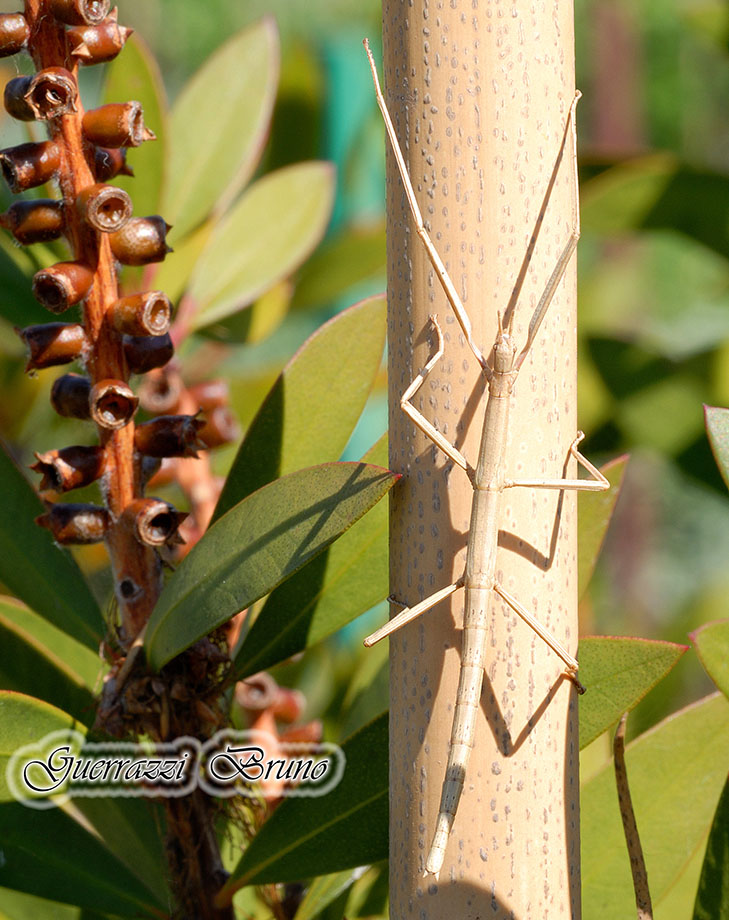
[141, 240]
[117, 124]
[29, 165]
[146, 314]
[169, 436]
[47, 94]
[14, 33]
[145, 353]
[210, 394]
[159, 392]
[34, 220]
[98, 44]
[104, 207]
[69, 468]
[75, 523]
[112, 404]
[220, 427]
[62, 285]
[289, 704]
[51, 344]
[70, 396]
[257, 692]
[80, 12]
[153, 521]
[110, 162]
[150, 468]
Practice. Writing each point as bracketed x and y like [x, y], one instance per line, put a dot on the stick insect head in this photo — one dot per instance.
[504, 347]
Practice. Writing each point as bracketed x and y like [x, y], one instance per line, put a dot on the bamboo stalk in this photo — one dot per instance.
[479, 97]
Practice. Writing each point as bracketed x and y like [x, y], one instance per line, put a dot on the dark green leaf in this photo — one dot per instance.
[717, 428]
[712, 898]
[594, 514]
[42, 660]
[618, 672]
[676, 772]
[219, 124]
[315, 836]
[712, 645]
[334, 588]
[272, 228]
[135, 75]
[256, 545]
[312, 409]
[17, 304]
[35, 569]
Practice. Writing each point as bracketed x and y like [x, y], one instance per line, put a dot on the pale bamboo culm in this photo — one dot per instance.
[488, 480]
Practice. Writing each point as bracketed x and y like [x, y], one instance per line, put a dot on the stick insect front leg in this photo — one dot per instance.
[488, 481]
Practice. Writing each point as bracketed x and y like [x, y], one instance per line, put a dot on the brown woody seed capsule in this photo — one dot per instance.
[148, 352]
[112, 404]
[69, 468]
[118, 124]
[154, 522]
[62, 285]
[98, 44]
[104, 207]
[169, 436]
[159, 392]
[34, 220]
[220, 427]
[143, 314]
[51, 344]
[210, 394]
[256, 693]
[80, 12]
[74, 523]
[70, 396]
[14, 33]
[29, 165]
[141, 240]
[109, 163]
[47, 94]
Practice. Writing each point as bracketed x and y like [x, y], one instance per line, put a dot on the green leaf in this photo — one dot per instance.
[712, 645]
[266, 235]
[676, 772]
[311, 410]
[717, 428]
[35, 569]
[594, 516]
[256, 545]
[40, 659]
[219, 125]
[618, 672]
[334, 588]
[315, 836]
[323, 891]
[17, 304]
[16, 905]
[135, 75]
[712, 897]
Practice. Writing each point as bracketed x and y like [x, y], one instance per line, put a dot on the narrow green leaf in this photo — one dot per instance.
[35, 569]
[334, 588]
[16, 905]
[315, 836]
[311, 410]
[135, 75]
[676, 773]
[717, 428]
[618, 672]
[261, 541]
[712, 897]
[219, 124]
[712, 645]
[42, 660]
[265, 236]
[323, 891]
[17, 304]
[593, 518]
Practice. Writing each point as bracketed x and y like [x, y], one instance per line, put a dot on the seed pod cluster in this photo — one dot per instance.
[115, 335]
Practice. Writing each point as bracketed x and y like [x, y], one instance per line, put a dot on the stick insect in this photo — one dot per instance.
[489, 481]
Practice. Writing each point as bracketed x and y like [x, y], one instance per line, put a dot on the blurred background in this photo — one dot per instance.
[653, 276]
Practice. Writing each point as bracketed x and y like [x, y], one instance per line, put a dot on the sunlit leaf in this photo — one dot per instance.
[712, 897]
[712, 645]
[676, 772]
[219, 124]
[717, 428]
[323, 891]
[594, 516]
[618, 672]
[261, 541]
[267, 234]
